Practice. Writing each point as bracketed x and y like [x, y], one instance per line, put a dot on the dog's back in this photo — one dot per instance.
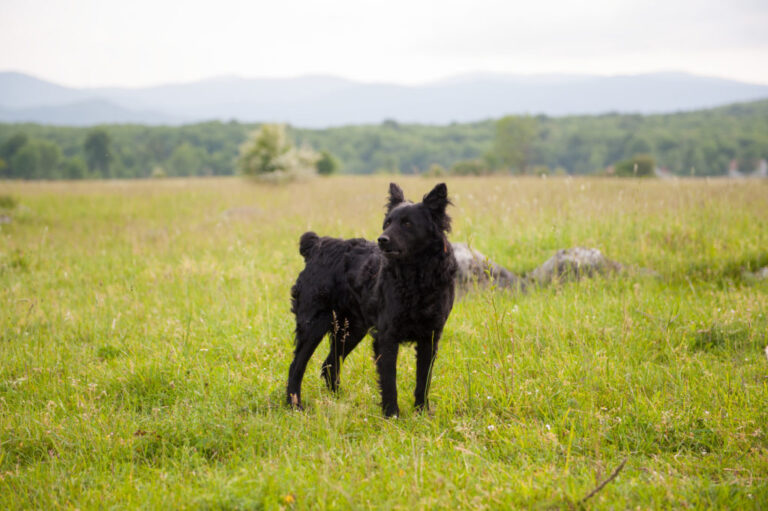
[334, 271]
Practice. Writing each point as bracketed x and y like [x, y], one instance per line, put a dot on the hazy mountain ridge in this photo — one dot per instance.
[323, 101]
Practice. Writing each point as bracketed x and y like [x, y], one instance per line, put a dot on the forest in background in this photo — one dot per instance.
[701, 143]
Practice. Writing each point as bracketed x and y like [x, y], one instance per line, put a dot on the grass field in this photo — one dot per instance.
[145, 337]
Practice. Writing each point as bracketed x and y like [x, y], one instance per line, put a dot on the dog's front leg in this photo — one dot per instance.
[426, 352]
[385, 349]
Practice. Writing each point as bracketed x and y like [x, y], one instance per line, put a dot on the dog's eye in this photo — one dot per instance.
[406, 223]
[387, 222]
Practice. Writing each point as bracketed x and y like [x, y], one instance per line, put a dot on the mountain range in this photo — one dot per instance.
[324, 101]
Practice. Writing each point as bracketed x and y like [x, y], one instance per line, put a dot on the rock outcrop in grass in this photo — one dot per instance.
[566, 264]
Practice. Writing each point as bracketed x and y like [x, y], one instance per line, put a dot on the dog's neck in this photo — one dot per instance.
[431, 259]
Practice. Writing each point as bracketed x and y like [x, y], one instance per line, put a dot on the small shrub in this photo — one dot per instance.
[469, 168]
[327, 164]
[270, 156]
[7, 202]
[16, 260]
[640, 165]
[435, 170]
[722, 337]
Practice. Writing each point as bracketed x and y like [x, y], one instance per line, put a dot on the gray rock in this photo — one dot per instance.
[761, 274]
[572, 264]
[566, 264]
[473, 266]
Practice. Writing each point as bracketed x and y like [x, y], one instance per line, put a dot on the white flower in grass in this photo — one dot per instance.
[491, 427]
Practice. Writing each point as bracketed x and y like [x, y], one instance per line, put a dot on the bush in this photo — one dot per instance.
[268, 154]
[640, 165]
[7, 202]
[435, 170]
[327, 164]
[469, 168]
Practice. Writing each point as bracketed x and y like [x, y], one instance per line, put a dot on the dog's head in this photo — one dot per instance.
[410, 229]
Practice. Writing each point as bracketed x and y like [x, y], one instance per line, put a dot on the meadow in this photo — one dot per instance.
[146, 333]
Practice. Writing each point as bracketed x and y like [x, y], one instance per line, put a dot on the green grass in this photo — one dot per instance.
[145, 337]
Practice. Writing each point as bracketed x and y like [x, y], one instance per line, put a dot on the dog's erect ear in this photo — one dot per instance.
[395, 196]
[436, 201]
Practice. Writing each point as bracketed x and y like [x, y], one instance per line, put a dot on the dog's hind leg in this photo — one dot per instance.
[343, 340]
[308, 337]
[426, 352]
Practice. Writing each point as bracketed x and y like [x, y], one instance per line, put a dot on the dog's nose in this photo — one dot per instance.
[383, 240]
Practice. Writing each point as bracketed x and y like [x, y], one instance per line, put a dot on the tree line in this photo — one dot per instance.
[701, 143]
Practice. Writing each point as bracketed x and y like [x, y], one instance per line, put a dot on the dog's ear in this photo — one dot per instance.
[436, 201]
[395, 196]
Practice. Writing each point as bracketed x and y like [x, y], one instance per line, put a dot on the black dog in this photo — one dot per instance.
[401, 289]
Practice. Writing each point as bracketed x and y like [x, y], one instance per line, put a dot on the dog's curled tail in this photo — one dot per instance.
[307, 242]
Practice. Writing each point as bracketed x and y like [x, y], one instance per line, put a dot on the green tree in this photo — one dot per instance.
[74, 168]
[50, 157]
[11, 146]
[513, 142]
[25, 162]
[327, 164]
[187, 160]
[261, 153]
[638, 144]
[98, 154]
[38, 159]
[269, 153]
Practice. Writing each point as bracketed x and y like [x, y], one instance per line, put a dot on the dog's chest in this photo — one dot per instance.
[415, 306]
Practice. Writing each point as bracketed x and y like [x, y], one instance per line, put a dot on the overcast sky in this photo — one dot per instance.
[147, 42]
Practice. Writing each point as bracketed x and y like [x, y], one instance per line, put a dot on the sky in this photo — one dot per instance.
[93, 43]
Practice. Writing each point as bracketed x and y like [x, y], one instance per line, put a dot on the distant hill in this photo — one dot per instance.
[84, 113]
[324, 101]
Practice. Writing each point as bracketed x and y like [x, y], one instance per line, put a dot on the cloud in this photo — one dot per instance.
[91, 42]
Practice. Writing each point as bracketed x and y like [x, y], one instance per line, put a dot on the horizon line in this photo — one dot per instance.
[467, 75]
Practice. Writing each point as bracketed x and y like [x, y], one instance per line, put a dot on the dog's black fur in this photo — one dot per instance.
[400, 289]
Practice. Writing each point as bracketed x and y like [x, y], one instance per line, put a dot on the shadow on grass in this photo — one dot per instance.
[144, 390]
[18, 449]
[725, 272]
[728, 337]
[209, 439]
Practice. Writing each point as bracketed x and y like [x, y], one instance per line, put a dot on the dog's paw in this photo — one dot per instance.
[294, 402]
[424, 410]
[391, 412]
